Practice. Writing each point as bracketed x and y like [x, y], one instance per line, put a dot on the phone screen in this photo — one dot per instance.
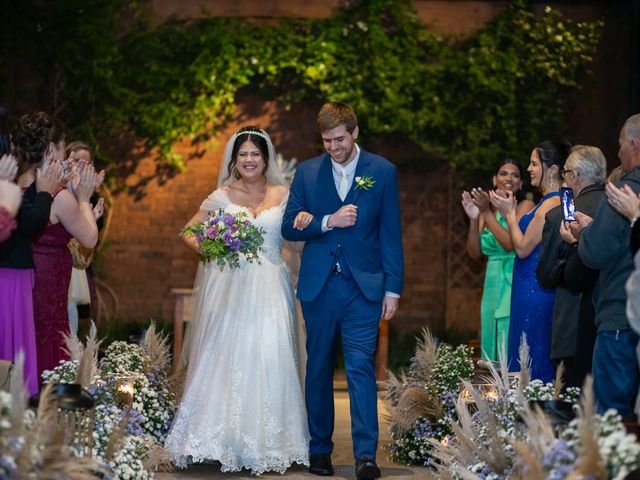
[568, 206]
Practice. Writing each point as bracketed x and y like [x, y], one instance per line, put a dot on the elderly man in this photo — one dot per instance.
[604, 246]
[573, 329]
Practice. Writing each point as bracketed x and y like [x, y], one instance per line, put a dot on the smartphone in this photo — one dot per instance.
[568, 206]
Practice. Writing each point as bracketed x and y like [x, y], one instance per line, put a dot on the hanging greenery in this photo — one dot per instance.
[467, 101]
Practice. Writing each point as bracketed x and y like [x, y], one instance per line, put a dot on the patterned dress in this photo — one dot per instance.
[52, 275]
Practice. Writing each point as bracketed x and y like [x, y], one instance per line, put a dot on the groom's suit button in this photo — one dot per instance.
[331, 253]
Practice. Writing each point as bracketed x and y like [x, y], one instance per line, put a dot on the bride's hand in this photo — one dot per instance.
[302, 221]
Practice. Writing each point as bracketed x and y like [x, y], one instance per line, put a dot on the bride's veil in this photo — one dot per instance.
[217, 200]
[273, 175]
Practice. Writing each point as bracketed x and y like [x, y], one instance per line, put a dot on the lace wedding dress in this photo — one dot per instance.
[243, 403]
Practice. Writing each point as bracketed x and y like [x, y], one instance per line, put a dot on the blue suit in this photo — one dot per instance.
[346, 305]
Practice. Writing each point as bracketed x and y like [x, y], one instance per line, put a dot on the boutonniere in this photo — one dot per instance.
[364, 183]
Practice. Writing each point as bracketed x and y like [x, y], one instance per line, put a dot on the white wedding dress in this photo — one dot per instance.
[243, 403]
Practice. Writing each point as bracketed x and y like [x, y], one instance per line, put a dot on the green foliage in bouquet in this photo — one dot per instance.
[465, 100]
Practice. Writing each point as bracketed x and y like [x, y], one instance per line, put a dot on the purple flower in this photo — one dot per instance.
[228, 219]
[212, 233]
[228, 239]
[200, 237]
[215, 220]
[235, 244]
[234, 228]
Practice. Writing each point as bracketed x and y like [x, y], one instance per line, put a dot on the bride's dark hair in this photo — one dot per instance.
[251, 134]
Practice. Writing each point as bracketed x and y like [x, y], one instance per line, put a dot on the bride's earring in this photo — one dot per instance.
[550, 181]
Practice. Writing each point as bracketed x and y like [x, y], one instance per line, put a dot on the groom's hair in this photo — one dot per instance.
[334, 114]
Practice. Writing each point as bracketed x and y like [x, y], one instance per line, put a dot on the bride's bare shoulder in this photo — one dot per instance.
[279, 192]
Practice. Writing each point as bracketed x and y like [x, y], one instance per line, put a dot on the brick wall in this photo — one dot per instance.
[144, 258]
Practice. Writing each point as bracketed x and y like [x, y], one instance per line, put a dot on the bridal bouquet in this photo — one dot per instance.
[222, 237]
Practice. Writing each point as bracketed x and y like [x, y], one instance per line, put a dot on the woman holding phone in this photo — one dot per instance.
[532, 305]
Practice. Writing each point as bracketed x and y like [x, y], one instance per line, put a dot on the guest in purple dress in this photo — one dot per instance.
[532, 305]
[16, 271]
[70, 216]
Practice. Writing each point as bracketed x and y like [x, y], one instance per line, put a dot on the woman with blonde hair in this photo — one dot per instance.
[79, 153]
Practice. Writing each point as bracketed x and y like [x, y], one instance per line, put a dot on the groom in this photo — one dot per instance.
[344, 204]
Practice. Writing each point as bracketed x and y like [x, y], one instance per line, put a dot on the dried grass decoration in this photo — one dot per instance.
[75, 415]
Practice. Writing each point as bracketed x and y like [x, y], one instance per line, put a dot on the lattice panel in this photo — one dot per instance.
[462, 271]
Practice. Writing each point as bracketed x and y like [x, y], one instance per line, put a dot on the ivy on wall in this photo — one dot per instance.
[467, 101]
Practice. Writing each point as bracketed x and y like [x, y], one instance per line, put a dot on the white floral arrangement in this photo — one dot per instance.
[127, 463]
[149, 410]
[505, 436]
[9, 446]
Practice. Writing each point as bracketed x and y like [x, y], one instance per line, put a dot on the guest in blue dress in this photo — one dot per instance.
[532, 305]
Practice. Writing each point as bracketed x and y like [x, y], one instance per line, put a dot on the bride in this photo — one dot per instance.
[243, 403]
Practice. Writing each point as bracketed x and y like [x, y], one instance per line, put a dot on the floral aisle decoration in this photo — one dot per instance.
[32, 443]
[422, 401]
[498, 431]
[130, 426]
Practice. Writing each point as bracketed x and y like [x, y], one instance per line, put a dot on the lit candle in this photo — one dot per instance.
[125, 388]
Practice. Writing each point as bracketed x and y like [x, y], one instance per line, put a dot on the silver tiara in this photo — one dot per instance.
[260, 133]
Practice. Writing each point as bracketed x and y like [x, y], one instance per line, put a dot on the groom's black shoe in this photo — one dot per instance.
[366, 469]
[321, 464]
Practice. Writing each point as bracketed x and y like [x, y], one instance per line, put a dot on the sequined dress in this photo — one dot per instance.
[531, 310]
[243, 402]
[53, 265]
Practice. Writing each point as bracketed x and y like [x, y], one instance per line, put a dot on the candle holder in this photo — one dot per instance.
[75, 415]
[125, 390]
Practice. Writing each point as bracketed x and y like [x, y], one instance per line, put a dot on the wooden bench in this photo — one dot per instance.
[182, 314]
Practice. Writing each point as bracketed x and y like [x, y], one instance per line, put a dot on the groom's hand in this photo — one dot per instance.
[345, 217]
[389, 307]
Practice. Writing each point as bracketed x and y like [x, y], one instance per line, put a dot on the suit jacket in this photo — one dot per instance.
[553, 249]
[372, 247]
[604, 246]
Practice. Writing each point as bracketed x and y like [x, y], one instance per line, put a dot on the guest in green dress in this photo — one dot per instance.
[488, 234]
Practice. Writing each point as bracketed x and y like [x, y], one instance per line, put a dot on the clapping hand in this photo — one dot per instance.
[86, 183]
[504, 201]
[52, 178]
[469, 206]
[99, 180]
[624, 200]
[10, 196]
[8, 167]
[581, 222]
[52, 155]
[481, 199]
[346, 216]
[302, 221]
[98, 210]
